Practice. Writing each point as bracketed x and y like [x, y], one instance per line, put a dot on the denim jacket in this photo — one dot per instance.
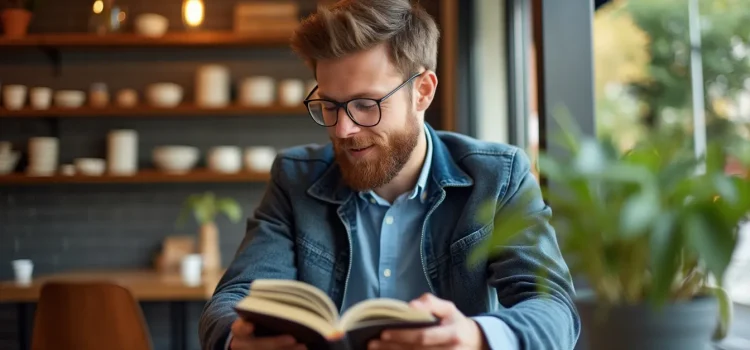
[301, 230]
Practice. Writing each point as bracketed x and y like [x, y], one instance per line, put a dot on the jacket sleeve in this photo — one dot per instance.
[540, 319]
[265, 252]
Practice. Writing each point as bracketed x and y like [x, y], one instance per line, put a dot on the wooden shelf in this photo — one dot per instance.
[172, 39]
[144, 176]
[148, 111]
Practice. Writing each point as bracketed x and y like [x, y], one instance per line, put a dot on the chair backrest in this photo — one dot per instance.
[88, 315]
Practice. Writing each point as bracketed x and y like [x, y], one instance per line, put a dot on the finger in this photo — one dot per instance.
[430, 336]
[242, 328]
[438, 307]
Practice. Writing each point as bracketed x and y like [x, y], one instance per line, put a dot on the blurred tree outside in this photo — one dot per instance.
[642, 63]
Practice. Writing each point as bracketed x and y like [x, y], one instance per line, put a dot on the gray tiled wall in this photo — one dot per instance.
[110, 226]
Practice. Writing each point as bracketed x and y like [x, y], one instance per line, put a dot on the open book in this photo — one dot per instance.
[277, 307]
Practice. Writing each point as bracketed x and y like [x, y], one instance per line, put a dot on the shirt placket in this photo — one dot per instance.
[388, 250]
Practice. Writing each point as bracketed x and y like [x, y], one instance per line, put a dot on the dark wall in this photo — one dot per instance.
[121, 226]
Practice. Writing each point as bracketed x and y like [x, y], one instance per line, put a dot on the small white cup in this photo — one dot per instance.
[191, 268]
[40, 97]
[291, 92]
[257, 91]
[259, 158]
[225, 159]
[14, 96]
[23, 269]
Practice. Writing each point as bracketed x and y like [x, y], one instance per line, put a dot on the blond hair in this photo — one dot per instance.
[349, 26]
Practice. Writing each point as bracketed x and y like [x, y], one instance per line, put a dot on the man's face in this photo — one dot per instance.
[370, 157]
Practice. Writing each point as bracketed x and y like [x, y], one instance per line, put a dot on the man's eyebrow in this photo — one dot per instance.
[359, 95]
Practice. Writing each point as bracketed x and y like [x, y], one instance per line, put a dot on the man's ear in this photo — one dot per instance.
[425, 87]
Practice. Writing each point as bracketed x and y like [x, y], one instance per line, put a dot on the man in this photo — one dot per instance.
[389, 208]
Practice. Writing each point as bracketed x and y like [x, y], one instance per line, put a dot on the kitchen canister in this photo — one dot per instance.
[212, 86]
[122, 152]
[43, 156]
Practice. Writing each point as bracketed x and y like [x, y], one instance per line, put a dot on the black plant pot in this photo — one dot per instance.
[678, 326]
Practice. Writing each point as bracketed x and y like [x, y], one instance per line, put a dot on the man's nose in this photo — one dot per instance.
[345, 127]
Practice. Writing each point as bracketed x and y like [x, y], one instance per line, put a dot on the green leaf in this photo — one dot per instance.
[230, 208]
[713, 243]
[665, 248]
[638, 213]
[725, 311]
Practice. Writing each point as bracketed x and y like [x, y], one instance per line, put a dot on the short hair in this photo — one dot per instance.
[349, 26]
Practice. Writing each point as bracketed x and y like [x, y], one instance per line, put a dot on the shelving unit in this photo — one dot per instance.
[171, 39]
[149, 111]
[143, 176]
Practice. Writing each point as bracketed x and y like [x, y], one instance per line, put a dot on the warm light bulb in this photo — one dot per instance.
[192, 12]
[98, 6]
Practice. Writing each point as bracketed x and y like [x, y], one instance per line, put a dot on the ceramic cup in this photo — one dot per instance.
[257, 91]
[40, 97]
[225, 159]
[190, 269]
[23, 269]
[259, 158]
[291, 92]
[14, 96]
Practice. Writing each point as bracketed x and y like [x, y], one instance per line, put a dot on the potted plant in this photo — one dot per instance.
[205, 207]
[16, 16]
[650, 232]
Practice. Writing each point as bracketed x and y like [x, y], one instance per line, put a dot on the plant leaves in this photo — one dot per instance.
[230, 208]
[713, 243]
[638, 213]
[665, 249]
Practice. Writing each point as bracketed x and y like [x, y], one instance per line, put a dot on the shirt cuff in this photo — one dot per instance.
[229, 341]
[497, 333]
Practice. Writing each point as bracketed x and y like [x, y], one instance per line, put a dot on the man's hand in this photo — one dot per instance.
[455, 331]
[243, 339]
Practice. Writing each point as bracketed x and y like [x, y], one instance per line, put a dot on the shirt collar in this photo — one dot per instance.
[419, 188]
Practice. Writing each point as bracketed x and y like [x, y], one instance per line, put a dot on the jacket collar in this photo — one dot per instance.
[330, 187]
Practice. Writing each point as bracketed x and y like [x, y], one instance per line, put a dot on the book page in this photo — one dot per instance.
[382, 309]
[282, 311]
[292, 291]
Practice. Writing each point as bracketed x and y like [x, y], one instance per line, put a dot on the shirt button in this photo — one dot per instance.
[389, 220]
[372, 200]
[387, 273]
[424, 195]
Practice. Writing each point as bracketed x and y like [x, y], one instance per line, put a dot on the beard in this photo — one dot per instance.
[381, 166]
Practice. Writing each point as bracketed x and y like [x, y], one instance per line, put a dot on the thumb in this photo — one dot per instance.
[443, 309]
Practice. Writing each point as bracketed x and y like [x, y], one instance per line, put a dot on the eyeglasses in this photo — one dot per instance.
[364, 112]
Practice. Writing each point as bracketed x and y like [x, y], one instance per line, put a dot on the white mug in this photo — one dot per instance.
[191, 269]
[40, 97]
[43, 155]
[14, 96]
[225, 159]
[259, 158]
[23, 269]
[257, 91]
[291, 92]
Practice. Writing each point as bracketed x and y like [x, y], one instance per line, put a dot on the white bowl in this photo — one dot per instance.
[151, 25]
[90, 166]
[69, 98]
[225, 159]
[259, 158]
[175, 159]
[8, 162]
[164, 95]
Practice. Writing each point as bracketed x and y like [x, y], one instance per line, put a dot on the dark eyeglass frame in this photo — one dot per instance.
[345, 105]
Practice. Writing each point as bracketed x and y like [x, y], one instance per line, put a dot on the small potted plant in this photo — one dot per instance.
[16, 16]
[205, 207]
[649, 232]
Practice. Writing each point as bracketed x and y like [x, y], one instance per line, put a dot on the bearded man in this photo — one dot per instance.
[389, 207]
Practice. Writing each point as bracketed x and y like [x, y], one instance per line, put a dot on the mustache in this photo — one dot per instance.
[355, 142]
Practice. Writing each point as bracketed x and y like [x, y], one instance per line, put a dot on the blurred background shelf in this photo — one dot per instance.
[144, 176]
[172, 39]
[146, 111]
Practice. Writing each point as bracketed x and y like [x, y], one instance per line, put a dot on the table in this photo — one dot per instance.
[145, 285]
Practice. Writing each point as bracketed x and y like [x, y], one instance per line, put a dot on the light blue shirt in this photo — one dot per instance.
[386, 261]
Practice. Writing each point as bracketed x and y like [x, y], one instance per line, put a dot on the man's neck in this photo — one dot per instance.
[407, 178]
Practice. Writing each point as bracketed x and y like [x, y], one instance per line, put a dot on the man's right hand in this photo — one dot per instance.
[243, 339]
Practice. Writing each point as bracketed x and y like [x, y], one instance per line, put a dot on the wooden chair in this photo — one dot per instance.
[89, 315]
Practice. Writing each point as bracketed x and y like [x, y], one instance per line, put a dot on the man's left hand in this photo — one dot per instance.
[455, 330]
